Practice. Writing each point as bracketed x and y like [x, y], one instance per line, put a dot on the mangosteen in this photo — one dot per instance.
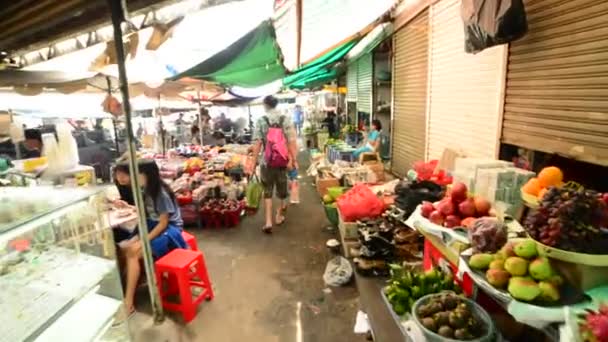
[474, 327]
[446, 331]
[442, 318]
[464, 312]
[429, 323]
[462, 306]
[450, 302]
[423, 310]
[435, 307]
[462, 334]
[456, 320]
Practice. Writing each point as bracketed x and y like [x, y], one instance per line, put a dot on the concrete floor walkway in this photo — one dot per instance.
[268, 288]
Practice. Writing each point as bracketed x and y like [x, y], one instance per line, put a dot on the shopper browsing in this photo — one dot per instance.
[164, 226]
[276, 134]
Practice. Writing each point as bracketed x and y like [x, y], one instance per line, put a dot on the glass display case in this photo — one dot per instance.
[59, 279]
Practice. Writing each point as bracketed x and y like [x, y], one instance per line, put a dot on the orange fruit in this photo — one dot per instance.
[550, 176]
[532, 187]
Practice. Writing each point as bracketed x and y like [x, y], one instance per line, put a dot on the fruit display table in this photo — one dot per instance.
[384, 327]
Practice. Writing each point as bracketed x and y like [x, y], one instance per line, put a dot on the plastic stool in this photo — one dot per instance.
[186, 269]
[190, 240]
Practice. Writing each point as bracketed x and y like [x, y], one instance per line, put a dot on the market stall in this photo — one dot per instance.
[525, 249]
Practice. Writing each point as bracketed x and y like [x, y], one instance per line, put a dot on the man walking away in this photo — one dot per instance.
[298, 119]
[276, 135]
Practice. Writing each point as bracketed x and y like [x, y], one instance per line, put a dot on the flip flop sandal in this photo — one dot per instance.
[281, 213]
[267, 229]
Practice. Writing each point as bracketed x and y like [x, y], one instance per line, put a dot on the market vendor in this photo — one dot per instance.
[32, 143]
[164, 224]
[372, 140]
[122, 180]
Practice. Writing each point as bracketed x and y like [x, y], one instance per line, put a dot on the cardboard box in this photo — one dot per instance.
[348, 230]
[377, 169]
[325, 183]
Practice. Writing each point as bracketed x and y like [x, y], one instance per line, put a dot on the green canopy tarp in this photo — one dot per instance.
[320, 70]
[251, 61]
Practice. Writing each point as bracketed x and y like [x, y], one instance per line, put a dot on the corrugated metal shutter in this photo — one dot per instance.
[465, 90]
[351, 82]
[409, 93]
[364, 84]
[557, 81]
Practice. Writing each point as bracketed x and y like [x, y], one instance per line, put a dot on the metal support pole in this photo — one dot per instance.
[109, 85]
[250, 120]
[200, 115]
[117, 8]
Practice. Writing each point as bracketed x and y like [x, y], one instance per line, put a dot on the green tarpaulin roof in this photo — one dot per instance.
[251, 61]
[370, 41]
[318, 71]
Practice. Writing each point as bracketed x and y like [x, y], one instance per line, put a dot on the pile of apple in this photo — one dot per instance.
[456, 209]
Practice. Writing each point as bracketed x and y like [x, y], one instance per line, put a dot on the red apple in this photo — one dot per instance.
[482, 206]
[436, 217]
[426, 209]
[467, 207]
[459, 192]
[446, 206]
[452, 221]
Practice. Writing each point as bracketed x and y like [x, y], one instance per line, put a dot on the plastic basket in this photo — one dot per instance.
[332, 214]
[476, 310]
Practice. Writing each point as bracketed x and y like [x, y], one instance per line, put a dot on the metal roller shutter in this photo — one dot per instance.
[465, 90]
[351, 82]
[557, 82]
[409, 93]
[364, 84]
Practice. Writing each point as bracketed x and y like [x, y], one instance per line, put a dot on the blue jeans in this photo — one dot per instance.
[360, 151]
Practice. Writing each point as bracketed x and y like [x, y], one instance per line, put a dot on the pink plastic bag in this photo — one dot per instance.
[358, 203]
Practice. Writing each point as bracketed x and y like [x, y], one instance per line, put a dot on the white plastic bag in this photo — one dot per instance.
[337, 272]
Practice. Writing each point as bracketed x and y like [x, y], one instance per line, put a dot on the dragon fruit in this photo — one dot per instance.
[594, 325]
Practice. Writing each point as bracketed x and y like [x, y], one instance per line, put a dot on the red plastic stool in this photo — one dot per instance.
[190, 240]
[187, 269]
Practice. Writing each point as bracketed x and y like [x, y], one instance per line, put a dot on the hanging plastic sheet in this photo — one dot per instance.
[492, 22]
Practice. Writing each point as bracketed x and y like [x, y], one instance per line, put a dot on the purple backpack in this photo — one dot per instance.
[275, 150]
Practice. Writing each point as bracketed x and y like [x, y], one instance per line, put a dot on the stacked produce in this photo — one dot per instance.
[193, 165]
[593, 325]
[456, 209]
[221, 212]
[428, 171]
[518, 268]
[548, 177]
[449, 315]
[410, 195]
[571, 218]
[385, 240]
[406, 286]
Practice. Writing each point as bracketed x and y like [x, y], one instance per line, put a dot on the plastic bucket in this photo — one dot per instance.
[479, 313]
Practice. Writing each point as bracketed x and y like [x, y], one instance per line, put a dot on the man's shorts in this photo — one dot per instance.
[274, 178]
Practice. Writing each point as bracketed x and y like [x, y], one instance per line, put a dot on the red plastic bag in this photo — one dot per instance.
[358, 203]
